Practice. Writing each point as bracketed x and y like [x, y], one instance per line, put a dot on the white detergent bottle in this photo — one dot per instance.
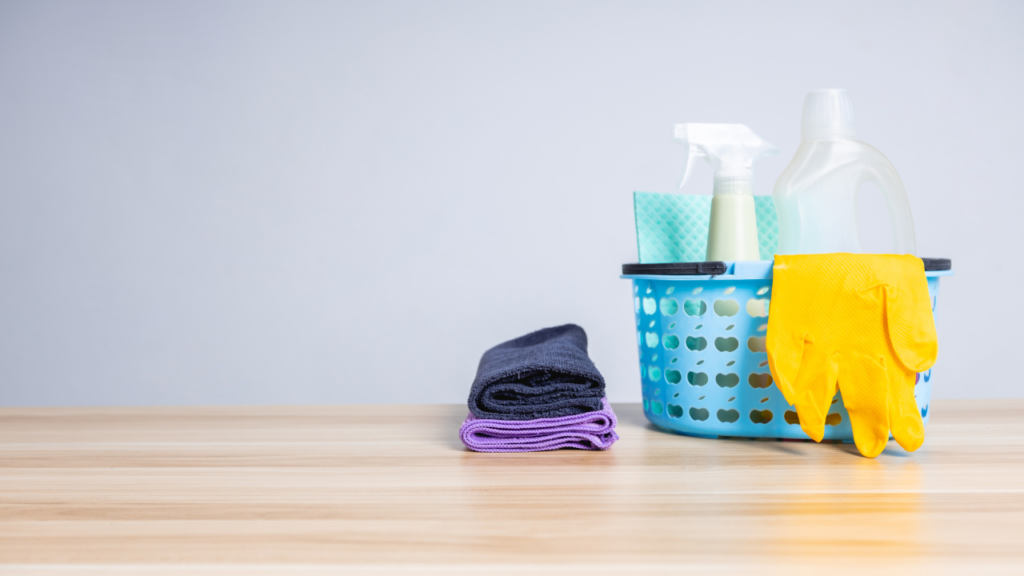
[731, 149]
[816, 196]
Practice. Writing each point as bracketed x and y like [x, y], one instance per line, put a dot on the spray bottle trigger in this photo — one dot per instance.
[689, 166]
[681, 135]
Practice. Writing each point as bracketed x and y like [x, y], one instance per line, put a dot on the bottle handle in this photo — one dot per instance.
[882, 173]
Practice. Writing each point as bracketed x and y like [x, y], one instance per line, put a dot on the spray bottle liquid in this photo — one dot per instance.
[731, 149]
[816, 196]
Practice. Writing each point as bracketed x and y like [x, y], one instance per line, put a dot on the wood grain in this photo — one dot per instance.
[376, 489]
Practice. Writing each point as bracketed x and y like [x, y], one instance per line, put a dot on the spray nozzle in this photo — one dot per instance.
[730, 149]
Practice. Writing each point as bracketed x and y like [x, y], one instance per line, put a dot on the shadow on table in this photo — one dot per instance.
[633, 415]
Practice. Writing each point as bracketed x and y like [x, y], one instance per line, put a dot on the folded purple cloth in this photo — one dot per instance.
[588, 431]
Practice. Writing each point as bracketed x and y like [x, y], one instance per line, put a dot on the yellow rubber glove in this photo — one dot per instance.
[862, 322]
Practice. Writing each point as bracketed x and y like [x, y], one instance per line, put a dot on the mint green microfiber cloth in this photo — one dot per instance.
[674, 227]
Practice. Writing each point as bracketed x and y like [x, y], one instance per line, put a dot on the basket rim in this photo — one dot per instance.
[747, 270]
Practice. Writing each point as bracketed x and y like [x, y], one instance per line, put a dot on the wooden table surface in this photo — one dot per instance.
[380, 489]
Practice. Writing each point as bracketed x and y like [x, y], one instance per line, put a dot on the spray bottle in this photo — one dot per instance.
[731, 150]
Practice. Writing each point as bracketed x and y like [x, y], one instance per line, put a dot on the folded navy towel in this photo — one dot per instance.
[545, 374]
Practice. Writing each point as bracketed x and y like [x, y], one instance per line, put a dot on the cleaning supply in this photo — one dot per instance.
[674, 227]
[816, 196]
[544, 374]
[587, 431]
[859, 322]
[731, 149]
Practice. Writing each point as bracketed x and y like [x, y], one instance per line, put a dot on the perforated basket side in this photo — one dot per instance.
[703, 364]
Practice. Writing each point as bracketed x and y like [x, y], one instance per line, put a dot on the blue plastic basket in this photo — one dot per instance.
[703, 365]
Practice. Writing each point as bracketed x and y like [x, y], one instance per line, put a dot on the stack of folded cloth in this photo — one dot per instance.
[539, 392]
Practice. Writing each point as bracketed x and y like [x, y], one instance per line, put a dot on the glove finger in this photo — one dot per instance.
[814, 388]
[908, 311]
[784, 358]
[904, 417]
[865, 386]
[785, 348]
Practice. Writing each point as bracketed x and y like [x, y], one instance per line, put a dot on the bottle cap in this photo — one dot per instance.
[828, 115]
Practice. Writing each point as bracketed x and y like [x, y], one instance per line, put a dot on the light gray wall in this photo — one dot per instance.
[305, 202]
